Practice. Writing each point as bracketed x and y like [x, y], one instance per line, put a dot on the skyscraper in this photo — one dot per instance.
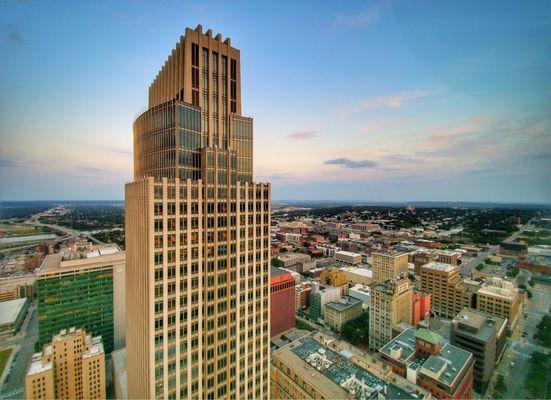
[197, 234]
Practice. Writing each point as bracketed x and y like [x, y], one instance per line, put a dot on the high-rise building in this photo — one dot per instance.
[501, 298]
[448, 292]
[484, 335]
[387, 266]
[83, 288]
[197, 234]
[391, 303]
[72, 366]
[282, 299]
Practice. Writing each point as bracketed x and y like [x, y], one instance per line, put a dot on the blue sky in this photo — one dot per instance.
[359, 100]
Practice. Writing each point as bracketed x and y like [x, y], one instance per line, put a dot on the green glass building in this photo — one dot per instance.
[77, 293]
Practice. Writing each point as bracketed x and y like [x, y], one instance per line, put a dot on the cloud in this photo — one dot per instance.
[12, 35]
[365, 18]
[457, 96]
[303, 135]
[379, 125]
[392, 101]
[348, 163]
[450, 133]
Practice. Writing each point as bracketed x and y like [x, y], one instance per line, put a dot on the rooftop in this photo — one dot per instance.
[428, 336]
[368, 273]
[9, 310]
[448, 365]
[478, 324]
[344, 303]
[72, 261]
[402, 347]
[348, 253]
[440, 267]
[335, 374]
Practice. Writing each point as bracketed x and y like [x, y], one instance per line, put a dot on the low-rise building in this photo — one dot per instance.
[17, 287]
[359, 275]
[423, 356]
[348, 257]
[338, 312]
[319, 297]
[483, 335]
[72, 366]
[290, 259]
[302, 296]
[361, 292]
[12, 315]
[319, 367]
[335, 277]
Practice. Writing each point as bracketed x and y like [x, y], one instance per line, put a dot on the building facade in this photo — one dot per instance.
[282, 299]
[319, 297]
[501, 298]
[197, 234]
[83, 289]
[391, 303]
[388, 265]
[72, 366]
[339, 312]
[448, 292]
[484, 336]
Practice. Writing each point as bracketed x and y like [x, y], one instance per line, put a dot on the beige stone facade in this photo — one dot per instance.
[501, 298]
[449, 294]
[391, 304]
[388, 265]
[197, 235]
[72, 366]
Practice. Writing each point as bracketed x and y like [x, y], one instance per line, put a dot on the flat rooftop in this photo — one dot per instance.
[72, 261]
[348, 253]
[368, 273]
[402, 347]
[447, 366]
[10, 310]
[344, 303]
[440, 267]
[478, 324]
[335, 374]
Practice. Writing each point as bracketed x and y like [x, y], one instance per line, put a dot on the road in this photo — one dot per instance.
[467, 266]
[23, 344]
[519, 349]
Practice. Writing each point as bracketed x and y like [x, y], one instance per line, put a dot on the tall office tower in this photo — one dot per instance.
[387, 266]
[449, 294]
[391, 303]
[72, 366]
[197, 235]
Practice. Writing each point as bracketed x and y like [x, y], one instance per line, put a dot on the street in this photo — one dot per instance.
[23, 349]
[518, 349]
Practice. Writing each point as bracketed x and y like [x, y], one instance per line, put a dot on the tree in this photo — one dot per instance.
[356, 331]
[277, 263]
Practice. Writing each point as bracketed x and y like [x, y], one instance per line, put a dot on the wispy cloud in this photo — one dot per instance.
[303, 135]
[348, 163]
[365, 18]
[12, 35]
[392, 101]
[458, 96]
[375, 126]
[449, 133]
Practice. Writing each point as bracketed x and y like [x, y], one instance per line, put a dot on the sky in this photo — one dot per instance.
[359, 100]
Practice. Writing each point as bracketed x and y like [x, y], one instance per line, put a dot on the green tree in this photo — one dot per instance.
[276, 262]
[356, 331]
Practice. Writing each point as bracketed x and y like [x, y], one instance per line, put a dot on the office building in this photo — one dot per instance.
[302, 296]
[355, 275]
[319, 297]
[426, 360]
[17, 287]
[197, 234]
[391, 303]
[282, 298]
[334, 277]
[348, 257]
[319, 367]
[71, 366]
[361, 292]
[290, 259]
[483, 335]
[501, 298]
[83, 287]
[387, 266]
[12, 315]
[339, 312]
[420, 308]
[448, 292]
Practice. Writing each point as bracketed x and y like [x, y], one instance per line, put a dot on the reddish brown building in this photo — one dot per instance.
[282, 298]
[421, 307]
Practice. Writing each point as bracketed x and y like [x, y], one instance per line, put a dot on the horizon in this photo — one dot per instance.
[381, 100]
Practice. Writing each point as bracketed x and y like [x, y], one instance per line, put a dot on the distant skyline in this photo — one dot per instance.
[377, 100]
